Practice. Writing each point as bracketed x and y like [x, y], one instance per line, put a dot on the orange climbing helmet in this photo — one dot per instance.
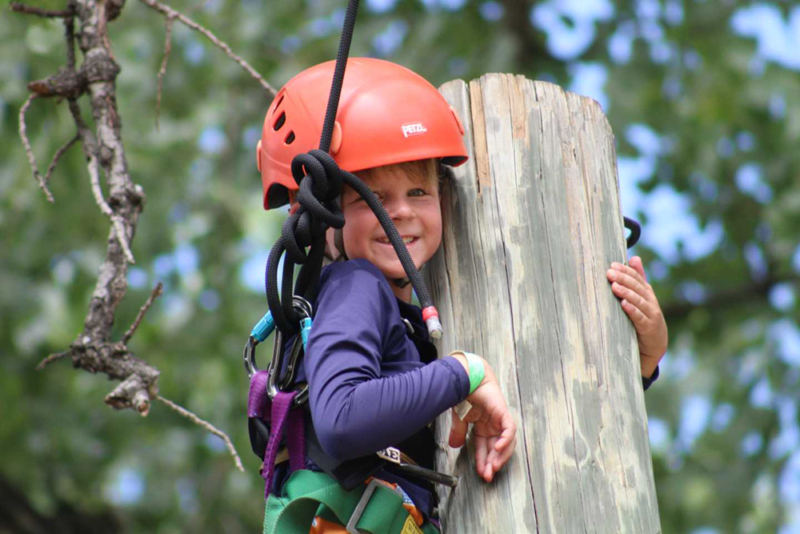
[387, 114]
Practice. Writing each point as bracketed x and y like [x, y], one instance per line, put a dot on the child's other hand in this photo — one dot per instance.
[494, 430]
[629, 283]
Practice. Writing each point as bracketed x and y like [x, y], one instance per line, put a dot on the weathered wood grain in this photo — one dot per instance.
[532, 222]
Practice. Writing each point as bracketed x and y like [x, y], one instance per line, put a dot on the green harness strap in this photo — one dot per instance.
[306, 490]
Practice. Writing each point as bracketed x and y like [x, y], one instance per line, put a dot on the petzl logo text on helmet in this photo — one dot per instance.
[413, 129]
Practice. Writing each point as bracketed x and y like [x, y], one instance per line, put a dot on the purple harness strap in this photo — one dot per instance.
[279, 413]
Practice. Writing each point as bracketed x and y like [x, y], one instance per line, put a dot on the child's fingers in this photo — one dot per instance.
[636, 315]
[636, 263]
[481, 451]
[458, 432]
[509, 430]
[627, 270]
[635, 299]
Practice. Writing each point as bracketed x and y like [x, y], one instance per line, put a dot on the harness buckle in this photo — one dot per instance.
[364, 501]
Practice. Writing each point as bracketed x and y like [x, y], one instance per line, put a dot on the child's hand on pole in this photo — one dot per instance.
[494, 430]
[639, 302]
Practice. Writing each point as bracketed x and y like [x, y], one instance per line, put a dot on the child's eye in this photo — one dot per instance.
[417, 193]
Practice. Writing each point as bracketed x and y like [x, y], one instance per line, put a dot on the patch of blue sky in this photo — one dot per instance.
[291, 44]
[137, 278]
[673, 12]
[786, 336]
[620, 44]
[725, 147]
[695, 415]
[788, 439]
[491, 11]
[761, 396]
[789, 481]
[186, 258]
[692, 60]
[451, 5]
[659, 434]
[796, 259]
[692, 291]
[722, 417]
[390, 39]
[588, 79]
[163, 265]
[677, 364]
[251, 273]
[746, 141]
[777, 39]
[319, 27]
[194, 52]
[209, 299]
[750, 180]
[755, 259]
[187, 495]
[212, 140]
[568, 40]
[648, 9]
[750, 366]
[751, 444]
[670, 221]
[126, 487]
[646, 141]
[782, 297]
[251, 137]
[777, 106]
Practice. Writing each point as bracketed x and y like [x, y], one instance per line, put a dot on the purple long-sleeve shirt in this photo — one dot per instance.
[368, 388]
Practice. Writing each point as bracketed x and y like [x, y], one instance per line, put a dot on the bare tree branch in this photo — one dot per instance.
[208, 426]
[163, 70]
[50, 359]
[23, 133]
[30, 10]
[157, 291]
[169, 12]
[60, 152]
[116, 220]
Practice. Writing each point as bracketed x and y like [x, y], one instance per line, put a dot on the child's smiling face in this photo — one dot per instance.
[412, 202]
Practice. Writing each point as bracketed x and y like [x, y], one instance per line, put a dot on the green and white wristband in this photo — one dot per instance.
[476, 373]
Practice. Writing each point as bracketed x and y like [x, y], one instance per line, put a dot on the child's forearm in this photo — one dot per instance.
[354, 415]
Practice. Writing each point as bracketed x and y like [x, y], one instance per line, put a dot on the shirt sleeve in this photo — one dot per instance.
[647, 382]
[355, 410]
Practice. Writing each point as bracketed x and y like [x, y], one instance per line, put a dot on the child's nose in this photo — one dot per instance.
[399, 209]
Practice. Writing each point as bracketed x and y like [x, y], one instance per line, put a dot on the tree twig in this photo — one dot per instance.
[157, 291]
[50, 359]
[169, 12]
[208, 426]
[23, 133]
[163, 70]
[30, 10]
[116, 221]
[57, 156]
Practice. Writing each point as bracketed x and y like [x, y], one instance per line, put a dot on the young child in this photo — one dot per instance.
[374, 377]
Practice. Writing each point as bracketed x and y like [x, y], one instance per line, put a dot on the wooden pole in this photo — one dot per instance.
[532, 223]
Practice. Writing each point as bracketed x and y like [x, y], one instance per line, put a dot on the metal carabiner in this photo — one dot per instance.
[260, 332]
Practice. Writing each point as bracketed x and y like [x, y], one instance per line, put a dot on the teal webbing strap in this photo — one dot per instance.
[306, 490]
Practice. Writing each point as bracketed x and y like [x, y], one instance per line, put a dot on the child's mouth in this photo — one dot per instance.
[406, 240]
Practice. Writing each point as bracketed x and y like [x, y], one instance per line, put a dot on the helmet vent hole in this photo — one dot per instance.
[279, 123]
[290, 138]
[280, 101]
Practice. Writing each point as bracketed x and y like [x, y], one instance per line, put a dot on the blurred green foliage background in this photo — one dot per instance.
[702, 96]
